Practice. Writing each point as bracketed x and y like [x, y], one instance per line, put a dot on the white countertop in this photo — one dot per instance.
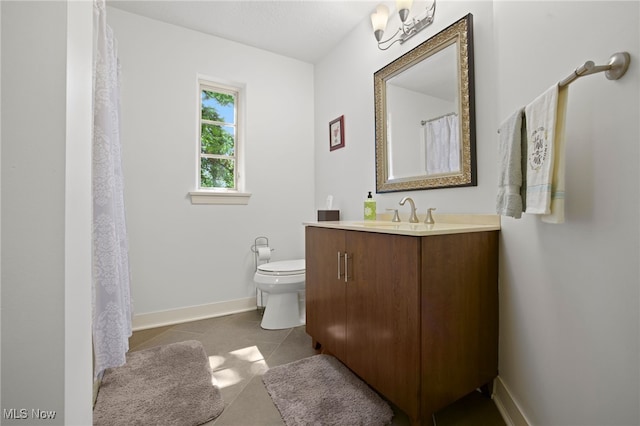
[444, 224]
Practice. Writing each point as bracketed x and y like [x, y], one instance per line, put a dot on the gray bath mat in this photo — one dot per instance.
[165, 385]
[319, 390]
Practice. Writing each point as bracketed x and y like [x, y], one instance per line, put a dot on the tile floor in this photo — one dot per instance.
[240, 351]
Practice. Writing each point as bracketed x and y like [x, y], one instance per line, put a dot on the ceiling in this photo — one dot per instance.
[302, 29]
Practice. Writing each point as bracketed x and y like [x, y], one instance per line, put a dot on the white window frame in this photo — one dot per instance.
[236, 195]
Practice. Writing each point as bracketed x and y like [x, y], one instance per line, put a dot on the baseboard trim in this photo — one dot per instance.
[508, 407]
[192, 313]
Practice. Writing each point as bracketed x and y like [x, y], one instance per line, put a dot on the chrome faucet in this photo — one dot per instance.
[413, 218]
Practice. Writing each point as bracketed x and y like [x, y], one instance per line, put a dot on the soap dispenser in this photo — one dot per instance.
[369, 208]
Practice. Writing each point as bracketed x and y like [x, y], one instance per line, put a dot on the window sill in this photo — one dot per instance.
[218, 197]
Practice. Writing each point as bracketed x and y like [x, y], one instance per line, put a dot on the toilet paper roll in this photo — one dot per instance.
[264, 253]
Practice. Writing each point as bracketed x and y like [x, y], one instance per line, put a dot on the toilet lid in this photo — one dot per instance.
[285, 267]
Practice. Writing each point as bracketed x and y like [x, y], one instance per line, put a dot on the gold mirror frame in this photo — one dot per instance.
[461, 34]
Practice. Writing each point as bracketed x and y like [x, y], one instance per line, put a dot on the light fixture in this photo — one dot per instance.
[408, 27]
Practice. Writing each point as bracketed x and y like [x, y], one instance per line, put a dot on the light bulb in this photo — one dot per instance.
[403, 7]
[379, 20]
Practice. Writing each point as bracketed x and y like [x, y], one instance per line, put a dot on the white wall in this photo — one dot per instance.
[33, 207]
[569, 301]
[187, 255]
[46, 211]
[569, 293]
[78, 367]
[0, 206]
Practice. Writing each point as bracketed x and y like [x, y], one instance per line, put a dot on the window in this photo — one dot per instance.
[218, 142]
[219, 145]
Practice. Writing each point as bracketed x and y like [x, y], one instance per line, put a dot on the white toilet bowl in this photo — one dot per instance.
[281, 281]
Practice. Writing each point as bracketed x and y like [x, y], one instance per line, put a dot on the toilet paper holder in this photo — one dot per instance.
[260, 243]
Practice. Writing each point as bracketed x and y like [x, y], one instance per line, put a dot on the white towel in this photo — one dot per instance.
[509, 200]
[557, 186]
[541, 123]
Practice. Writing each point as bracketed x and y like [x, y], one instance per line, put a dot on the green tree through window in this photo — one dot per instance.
[218, 138]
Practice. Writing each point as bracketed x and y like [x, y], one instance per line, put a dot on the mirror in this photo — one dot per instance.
[424, 114]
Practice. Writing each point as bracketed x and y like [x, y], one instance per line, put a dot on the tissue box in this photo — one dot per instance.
[328, 215]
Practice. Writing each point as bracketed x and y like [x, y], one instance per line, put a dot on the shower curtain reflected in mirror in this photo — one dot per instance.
[441, 139]
[111, 280]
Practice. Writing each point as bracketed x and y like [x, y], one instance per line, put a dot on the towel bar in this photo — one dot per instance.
[617, 66]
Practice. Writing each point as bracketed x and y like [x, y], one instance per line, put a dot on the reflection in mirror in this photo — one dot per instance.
[425, 136]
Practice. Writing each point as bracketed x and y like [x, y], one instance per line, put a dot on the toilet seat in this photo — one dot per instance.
[282, 268]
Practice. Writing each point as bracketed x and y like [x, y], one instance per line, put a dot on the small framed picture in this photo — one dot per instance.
[336, 133]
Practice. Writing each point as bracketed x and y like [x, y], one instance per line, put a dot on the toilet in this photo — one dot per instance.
[282, 282]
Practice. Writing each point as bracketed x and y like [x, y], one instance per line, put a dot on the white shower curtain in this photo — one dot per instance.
[111, 288]
[442, 139]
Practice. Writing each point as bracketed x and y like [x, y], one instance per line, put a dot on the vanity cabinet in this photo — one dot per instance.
[414, 317]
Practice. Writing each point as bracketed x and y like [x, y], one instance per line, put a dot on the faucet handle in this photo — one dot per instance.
[429, 220]
[396, 217]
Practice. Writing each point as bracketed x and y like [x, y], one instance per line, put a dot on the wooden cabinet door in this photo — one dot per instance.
[325, 289]
[383, 324]
[459, 316]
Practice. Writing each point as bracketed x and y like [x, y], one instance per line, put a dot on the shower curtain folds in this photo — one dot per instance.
[111, 279]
